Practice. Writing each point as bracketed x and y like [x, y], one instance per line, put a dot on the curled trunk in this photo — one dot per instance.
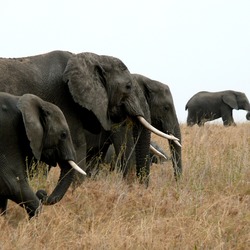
[65, 179]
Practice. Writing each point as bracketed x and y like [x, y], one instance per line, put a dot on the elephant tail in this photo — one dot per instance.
[187, 105]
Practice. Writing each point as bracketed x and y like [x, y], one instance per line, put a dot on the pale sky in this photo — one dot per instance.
[191, 45]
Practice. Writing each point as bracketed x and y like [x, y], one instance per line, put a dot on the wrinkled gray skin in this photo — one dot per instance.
[94, 92]
[163, 116]
[31, 127]
[207, 106]
[248, 116]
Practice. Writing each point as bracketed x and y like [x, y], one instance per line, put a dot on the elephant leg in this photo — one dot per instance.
[25, 197]
[201, 123]
[106, 142]
[3, 205]
[97, 147]
[190, 124]
[142, 137]
[95, 157]
[122, 139]
[192, 118]
[227, 118]
[190, 121]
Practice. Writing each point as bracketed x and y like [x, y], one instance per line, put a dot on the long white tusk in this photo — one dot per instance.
[157, 132]
[156, 152]
[76, 167]
[177, 143]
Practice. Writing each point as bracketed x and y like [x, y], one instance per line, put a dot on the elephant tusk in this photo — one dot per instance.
[177, 143]
[157, 132]
[155, 151]
[76, 167]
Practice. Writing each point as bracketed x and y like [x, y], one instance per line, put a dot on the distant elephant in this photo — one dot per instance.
[207, 106]
[163, 117]
[94, 92]
[248, 116]
[31, 127]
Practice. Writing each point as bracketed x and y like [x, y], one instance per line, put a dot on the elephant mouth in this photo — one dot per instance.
[50, 157]
[117, 102]
[52, 160]
[117, 113]
[49, 160]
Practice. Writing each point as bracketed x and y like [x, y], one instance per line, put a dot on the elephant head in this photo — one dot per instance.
[99, 84]
[50, 141]
[163, 114]
[236, 100]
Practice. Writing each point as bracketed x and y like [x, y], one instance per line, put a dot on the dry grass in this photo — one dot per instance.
[208, 209]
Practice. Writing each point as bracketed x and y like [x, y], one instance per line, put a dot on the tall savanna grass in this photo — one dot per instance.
[209, 208]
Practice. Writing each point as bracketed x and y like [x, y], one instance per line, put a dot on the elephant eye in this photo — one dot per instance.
[128, 86]
[166, 108]
[63, 135]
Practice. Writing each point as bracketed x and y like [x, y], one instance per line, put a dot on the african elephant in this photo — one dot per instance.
[31, 127]
[207, 106]
[95, 92]
[163, 117]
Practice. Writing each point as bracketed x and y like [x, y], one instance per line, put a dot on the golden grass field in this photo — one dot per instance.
[209, 208]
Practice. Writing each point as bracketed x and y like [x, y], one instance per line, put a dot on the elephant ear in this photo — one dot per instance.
[29, 105]
[230, 100]
[86, 79]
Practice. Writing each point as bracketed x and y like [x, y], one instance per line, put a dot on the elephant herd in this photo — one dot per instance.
[69, 109]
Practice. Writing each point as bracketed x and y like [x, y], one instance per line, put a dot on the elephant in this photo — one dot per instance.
[163, 116]
[32, 128]
[248, 116]
[95, 92]
[207, 106]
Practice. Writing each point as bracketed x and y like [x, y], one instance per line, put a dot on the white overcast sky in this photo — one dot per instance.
[191, 45]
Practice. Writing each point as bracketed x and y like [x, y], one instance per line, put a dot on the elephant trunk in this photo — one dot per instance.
[142, 149]
[65, 179]
[176, 152]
